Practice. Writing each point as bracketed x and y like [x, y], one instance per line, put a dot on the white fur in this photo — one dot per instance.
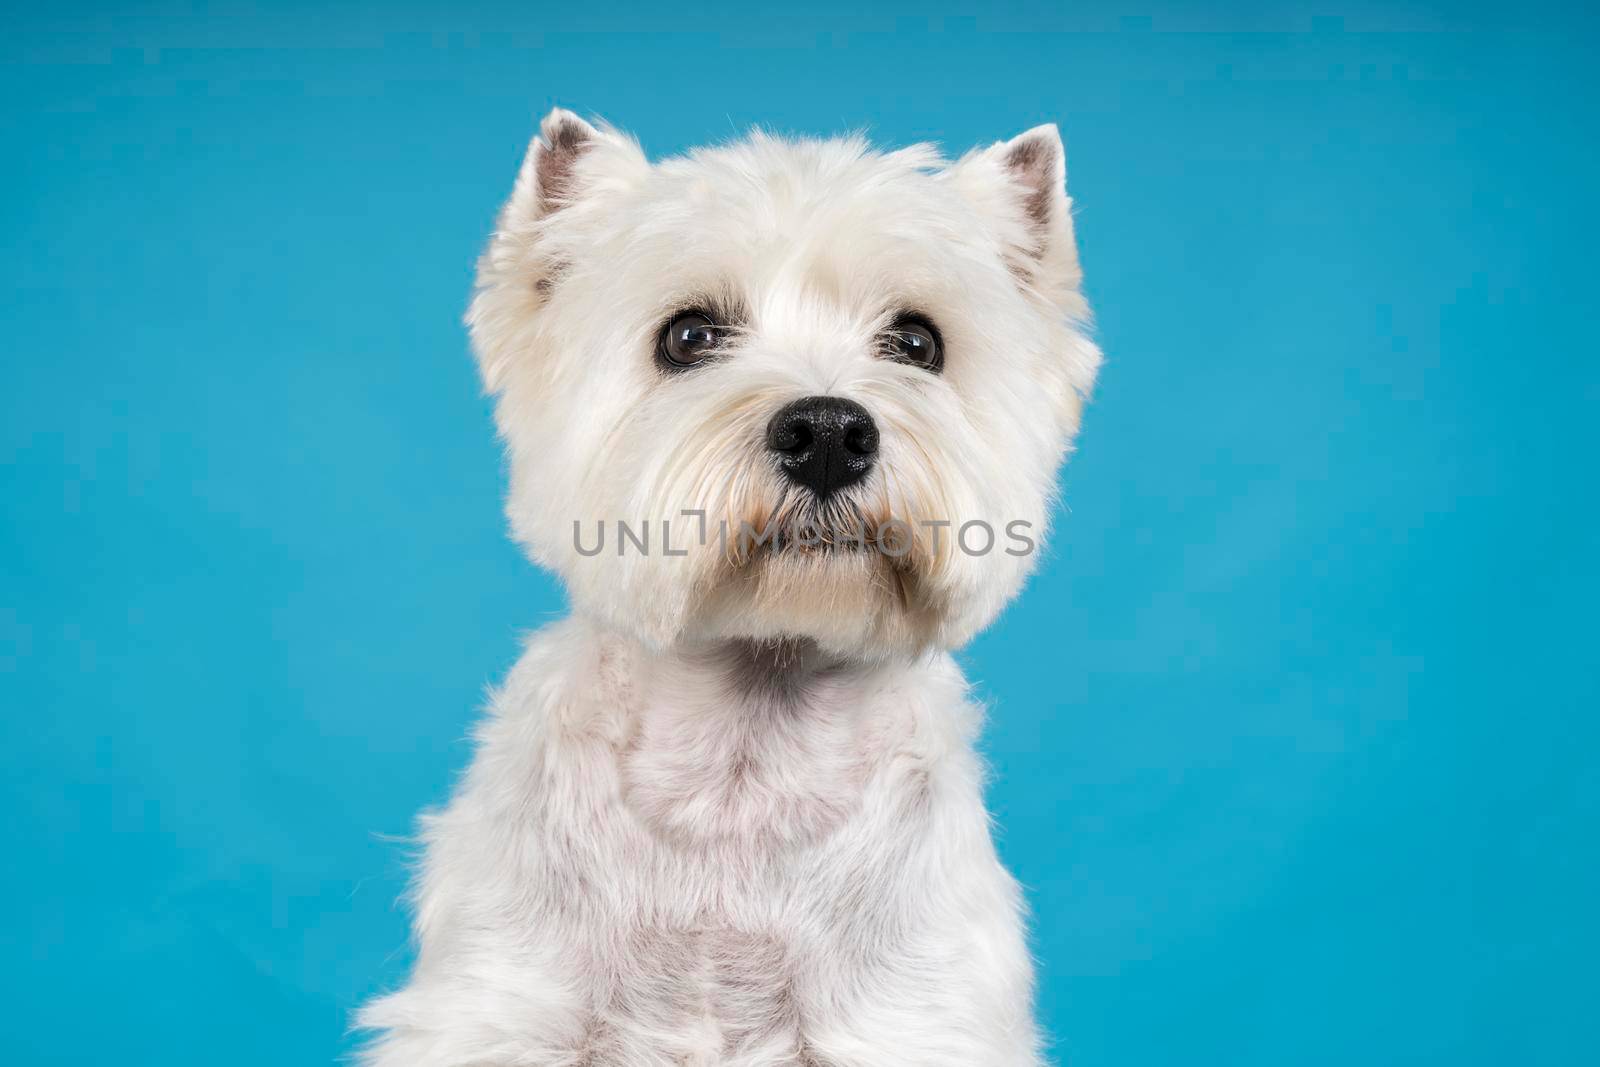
[730, 812]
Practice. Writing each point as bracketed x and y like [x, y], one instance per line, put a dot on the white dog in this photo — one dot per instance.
[786, 417]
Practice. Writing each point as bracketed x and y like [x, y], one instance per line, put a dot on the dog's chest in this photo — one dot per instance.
[747, 844]
[759, 779]
[749, 850]
[711, 995]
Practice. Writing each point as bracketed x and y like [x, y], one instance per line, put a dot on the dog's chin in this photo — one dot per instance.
[851, 600]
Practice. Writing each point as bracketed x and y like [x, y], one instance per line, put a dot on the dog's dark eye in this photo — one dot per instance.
[913, 339]
[688, 339]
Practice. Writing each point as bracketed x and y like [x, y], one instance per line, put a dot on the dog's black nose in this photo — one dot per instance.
[823, 442]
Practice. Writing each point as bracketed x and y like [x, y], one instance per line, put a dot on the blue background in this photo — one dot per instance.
[1294, 734]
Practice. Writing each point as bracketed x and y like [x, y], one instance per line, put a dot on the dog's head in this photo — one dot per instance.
[785, 388]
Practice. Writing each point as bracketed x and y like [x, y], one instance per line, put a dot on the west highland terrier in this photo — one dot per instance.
[785, 417]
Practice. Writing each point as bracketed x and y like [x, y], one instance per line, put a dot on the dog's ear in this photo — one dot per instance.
[571, 172]
[566, 161]
[1021, 186]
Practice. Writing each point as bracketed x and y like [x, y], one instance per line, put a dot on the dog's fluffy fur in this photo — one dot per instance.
[730, 811]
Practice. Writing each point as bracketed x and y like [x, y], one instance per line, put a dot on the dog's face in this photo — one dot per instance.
[785, 389]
